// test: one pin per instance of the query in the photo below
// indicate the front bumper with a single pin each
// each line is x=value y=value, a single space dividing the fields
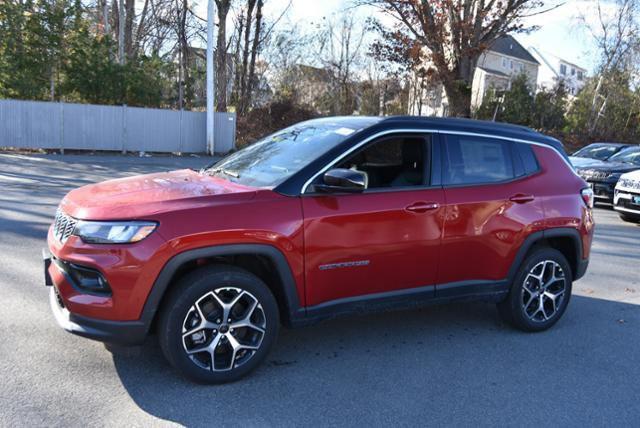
x=623 y=202
x=68 y=303
x=115 y=332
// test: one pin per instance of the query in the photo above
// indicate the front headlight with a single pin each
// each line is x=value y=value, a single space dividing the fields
x=113 y=232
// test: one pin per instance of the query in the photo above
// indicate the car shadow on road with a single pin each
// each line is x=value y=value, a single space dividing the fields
x=411 y=365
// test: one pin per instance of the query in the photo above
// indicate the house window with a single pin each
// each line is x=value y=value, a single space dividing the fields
x=573 y=71
x=511 y=64
x=563 y=69
x=580 y=75
x=504 y=62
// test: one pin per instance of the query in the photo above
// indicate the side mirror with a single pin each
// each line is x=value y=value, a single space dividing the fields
x=343 y=180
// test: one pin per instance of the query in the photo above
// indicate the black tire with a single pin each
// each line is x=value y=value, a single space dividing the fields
x=629 y=218
x=514 y=308
x=180 y=304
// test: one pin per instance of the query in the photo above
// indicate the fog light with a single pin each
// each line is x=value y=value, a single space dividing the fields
x=84 y=278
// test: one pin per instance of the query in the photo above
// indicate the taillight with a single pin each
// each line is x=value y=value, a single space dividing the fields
x=587 y=196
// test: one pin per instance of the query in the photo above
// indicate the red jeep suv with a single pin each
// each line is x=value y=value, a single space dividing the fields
x=325 y=218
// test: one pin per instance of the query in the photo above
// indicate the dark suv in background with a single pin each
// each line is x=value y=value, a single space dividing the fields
x=601 y=151
x=602 y=176
x=325 y=218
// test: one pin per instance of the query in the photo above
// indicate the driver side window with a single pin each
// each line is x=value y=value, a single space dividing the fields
x=391 y=162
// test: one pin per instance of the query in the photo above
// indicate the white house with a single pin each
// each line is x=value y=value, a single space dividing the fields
x=496 y=67
x=554 y=69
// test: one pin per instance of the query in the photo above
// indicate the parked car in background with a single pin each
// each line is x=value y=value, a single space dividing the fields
x=627 y=197
x=328 y=217
x=602 y=176
x=601 y=151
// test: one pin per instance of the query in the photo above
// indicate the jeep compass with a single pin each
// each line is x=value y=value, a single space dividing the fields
x=325 y=218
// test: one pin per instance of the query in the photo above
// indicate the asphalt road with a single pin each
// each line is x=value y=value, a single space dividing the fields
x=448 y=365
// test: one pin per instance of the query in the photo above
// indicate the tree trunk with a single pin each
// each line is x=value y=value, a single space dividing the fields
x=183 y=48
x=130 y=13
x=459 y=98
x=245 y=57
x=254 y=53
x=236 y=55
x=141 y=30
x=180 y=79
x=105 y=17
x=121 y=24
x=221 y=56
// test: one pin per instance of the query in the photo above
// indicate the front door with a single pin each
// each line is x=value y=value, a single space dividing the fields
x=383 y=240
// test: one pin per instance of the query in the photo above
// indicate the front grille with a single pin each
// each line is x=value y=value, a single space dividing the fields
x=625 y=203
x=595 y=175
x=63 y=226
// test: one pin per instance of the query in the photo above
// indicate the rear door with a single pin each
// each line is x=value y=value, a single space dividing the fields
x=491 y=206
x=384 y=239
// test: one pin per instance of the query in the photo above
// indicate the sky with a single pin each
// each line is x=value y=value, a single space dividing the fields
x=559 y=32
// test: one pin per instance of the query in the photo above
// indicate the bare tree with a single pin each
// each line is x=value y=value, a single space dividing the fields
x=242 y=90
x=121 y=24
x=449 y=36
x=617 y=36
x=223 y=7
x=255 y=45
x=340 y=54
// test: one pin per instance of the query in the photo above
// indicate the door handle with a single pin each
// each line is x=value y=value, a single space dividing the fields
x=521 y=198
x=421 y=207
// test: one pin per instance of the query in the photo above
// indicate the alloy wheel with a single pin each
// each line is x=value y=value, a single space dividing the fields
x=543 y=291
x=223 y=329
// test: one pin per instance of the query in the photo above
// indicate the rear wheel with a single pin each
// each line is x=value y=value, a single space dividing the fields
x=218 y=324
x=540 y=292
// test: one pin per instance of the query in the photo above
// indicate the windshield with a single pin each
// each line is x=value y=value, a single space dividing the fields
x=597 y=151
x=277 y=157
x=631 y=155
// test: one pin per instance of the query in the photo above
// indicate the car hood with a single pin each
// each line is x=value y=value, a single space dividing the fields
x=609 y=167
x=142 y=196
x=579 y=162
x=633 y=175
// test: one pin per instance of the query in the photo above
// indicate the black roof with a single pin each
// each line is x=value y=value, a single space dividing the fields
x=474 y=126
x=458 y=122
x=372 y=124
x=507 y=45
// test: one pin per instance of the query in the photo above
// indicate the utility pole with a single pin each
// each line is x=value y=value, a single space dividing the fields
x=210 y=77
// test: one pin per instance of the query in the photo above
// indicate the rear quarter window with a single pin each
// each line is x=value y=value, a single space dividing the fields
x=527 y=158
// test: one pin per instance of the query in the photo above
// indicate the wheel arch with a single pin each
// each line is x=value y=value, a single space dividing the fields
x=564 y=239
x=263 y=260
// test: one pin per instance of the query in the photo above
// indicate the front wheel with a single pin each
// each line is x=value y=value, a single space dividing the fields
x=218 y=324
x=540 y=292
